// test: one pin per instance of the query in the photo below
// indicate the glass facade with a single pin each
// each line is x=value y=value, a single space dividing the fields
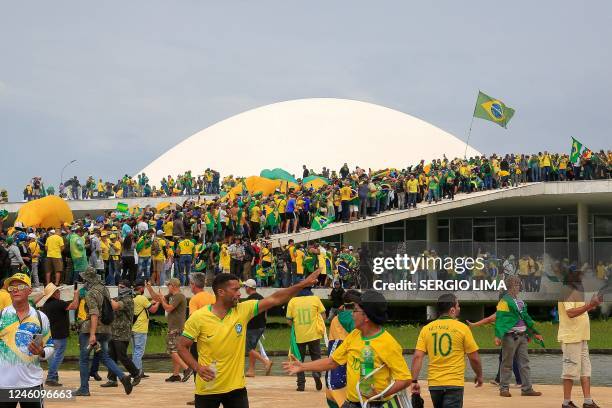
x=530 y=233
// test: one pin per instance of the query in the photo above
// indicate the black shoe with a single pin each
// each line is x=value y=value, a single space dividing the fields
x=52 y=383
x=109 y=384
x=142 y=374
x=318 y=383
x=300 y=388
x=127 y=384
x=96 y=376
x=173 y=378
x=81 y=393
x=136 y=381
x=186 y=374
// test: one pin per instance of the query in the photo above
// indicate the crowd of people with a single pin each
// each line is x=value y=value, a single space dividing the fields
x=206 y=337
x=443 y=177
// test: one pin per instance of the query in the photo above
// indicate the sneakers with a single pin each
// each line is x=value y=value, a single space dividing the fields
x=186 y=374
x=52 y=383
x=570 y=405
x=300 y=388
x=127 y=384
x=531 y=393
x=318 y=383
x=81 y=393
x=504 y=393
x=174 y=378
x=591 y=405
x=109 y=383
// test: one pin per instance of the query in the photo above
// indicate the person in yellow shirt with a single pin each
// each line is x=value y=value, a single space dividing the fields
x=299 y=263
x=345 y=197
x=140 y=329
x=158 y=253
x=185 y=251
x=255 y=220
x=412 y=187
x=306 y=315
x=5 y=297
x=224 y=258
x=200 y=296
x=369 y=314
x=220 y=333
x=54 y=264
x=34 y=251
x=446 y=341
x=574 y=335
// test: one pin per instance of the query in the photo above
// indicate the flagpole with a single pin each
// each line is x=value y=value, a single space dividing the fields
x=468 y=138
x=471 y=123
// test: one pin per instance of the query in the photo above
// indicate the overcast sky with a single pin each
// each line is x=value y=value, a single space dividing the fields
x=114 y=84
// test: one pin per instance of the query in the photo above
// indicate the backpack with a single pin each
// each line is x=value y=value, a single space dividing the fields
x=155 y=247
x=107 y=315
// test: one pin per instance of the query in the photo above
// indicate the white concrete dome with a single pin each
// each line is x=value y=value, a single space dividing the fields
x=316 y=132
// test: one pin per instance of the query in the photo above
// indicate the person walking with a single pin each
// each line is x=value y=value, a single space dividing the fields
x=120 y=332
x=255 y=330
x=446 y=341
x=56 y=310
x=513 y=329
x=306 y=314
x=95 y=332
x=574 y=334
x=140 y=328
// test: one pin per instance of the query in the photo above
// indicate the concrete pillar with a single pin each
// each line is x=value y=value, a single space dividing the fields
x=432 y=229
x=583 y=232
x=356 y=237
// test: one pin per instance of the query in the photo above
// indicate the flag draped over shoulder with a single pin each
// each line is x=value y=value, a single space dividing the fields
x=294 y=350
x=508 y=315
x=492 y=109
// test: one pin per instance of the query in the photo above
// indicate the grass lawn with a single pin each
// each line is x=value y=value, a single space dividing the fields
x=277 y=336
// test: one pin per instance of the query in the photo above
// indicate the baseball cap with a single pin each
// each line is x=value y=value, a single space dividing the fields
x=250 y=283
x=374 y=305
x=17 y=277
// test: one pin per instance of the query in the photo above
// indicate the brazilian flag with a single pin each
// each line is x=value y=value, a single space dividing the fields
x=576 y=149
x=122 y=207
x=492 y=109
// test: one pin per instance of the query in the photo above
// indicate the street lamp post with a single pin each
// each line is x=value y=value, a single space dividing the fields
x=64 y=168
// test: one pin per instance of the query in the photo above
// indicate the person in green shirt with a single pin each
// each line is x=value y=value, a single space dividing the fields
x=77 y=253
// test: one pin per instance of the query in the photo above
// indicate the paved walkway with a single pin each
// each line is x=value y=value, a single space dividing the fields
x=266 y=392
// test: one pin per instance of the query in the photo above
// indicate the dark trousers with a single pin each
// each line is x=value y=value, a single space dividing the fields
x=128 y=268
x=232 y=399
x=26 y=403
x=118 y=352
x=236 y=267
x=345 y=210
x=314 y=349
x=446 y=397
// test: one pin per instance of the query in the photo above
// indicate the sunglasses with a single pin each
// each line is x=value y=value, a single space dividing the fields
x=15 y=288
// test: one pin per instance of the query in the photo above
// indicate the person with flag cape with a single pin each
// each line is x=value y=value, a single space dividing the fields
x=514 y=328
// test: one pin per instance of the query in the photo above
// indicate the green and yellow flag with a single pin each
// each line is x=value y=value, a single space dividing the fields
x=294 y=350
x=122 y=207
x=492 y=109
x=576 y=149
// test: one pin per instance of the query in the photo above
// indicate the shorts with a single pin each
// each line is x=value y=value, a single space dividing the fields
x=576 y=361
x=233 y=399
x=290 y=216
x=54 y=265
x=171 y=341
x=252 y=338
x=353 y=208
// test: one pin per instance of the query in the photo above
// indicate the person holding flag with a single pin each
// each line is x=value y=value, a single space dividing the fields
x=514 y=328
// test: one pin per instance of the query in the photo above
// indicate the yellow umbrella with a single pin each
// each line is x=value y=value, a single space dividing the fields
x=46 y=212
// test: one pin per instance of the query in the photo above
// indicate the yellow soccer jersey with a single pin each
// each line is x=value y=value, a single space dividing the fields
x=446 y=341
x=222 y=341
x=387 y=351
x=305 y=312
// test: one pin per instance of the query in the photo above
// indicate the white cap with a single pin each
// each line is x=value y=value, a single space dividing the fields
x=31 y=235
x=250 y=283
